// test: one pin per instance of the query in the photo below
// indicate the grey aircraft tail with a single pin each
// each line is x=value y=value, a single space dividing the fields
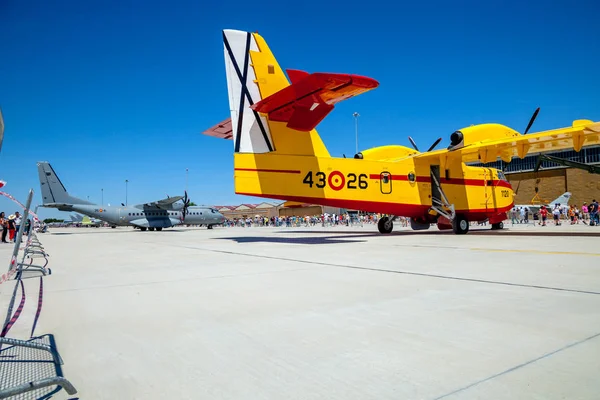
x=53 y=191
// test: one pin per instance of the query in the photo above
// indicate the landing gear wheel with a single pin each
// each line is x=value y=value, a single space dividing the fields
x=385 y=225
x=143 y=229
x=499 y=225
x=209 y=227
x=150 y=229
x=460 y=225
x=159 y=229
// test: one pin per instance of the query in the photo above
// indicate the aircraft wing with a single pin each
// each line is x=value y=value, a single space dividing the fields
x=165 y=203
x=582 y=133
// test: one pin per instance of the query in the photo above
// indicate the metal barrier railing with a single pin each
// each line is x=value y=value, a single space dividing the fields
x=31 y=366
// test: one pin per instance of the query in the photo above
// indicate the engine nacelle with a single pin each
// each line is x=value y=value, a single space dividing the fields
x=479 y=133
x=386 y=152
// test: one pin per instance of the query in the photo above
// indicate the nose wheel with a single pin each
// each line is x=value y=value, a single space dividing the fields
x=385 y=225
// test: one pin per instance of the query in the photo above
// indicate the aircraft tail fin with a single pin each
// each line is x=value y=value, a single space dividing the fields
x=53 y=191
x=257 y=87
x=563 y=200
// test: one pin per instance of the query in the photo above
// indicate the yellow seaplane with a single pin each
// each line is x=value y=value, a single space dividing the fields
x=280 y=155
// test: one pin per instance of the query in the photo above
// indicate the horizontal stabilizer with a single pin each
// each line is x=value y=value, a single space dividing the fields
x=296 y=75
x=221 y=130
x=305 y=103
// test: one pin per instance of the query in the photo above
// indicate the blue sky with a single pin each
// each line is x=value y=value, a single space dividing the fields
x=108 y=91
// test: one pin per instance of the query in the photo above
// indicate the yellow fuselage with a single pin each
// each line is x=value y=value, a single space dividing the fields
x=402 y=188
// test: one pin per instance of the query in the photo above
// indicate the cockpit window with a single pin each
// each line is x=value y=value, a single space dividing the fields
x=502 y=177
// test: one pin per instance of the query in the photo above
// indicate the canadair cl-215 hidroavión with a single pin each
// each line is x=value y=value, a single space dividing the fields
x=156 y=215
x=278 y=153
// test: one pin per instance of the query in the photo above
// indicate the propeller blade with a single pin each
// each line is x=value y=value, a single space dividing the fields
x=531 y=121
x=413 y=143
x=434 y=144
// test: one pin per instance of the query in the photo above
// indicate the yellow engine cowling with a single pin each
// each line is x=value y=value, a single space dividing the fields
x=386 y=153
x=478 y=133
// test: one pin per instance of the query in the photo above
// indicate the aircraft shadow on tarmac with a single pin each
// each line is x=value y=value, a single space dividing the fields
x=344 y=238
x=478 y=232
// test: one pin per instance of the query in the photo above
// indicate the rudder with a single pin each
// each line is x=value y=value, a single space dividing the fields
x=253 y=74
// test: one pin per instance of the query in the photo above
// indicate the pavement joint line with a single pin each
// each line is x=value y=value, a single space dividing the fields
x=200 y=278
x=516 y=367
x=569 y=253
x=421 y=274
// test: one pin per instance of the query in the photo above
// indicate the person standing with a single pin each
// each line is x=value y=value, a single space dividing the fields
x=593 y=210
x=544 y=215
x=11 y=228
x=4 y=226
x=18 y=220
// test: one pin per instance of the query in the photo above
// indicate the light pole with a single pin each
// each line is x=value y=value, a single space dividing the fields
x=186 y=179
x=126 y=182
x=356 y=115
x=102 y=190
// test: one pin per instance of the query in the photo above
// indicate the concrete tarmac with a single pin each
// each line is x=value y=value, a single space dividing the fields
x=322 y=313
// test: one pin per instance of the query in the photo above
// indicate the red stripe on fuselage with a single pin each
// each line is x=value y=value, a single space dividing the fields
x=451 y=181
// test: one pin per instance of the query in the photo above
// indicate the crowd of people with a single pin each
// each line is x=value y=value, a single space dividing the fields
x=587 y=214
x=308 y=220
x=10 y=226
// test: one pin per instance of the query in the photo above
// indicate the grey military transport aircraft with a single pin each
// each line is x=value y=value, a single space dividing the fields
x=152 y=216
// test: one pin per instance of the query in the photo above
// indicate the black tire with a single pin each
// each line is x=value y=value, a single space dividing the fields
x=385 y=225
x=209 y=227
x=159 y=229
x=460 y=225
x=143 y=229
x=499 y=225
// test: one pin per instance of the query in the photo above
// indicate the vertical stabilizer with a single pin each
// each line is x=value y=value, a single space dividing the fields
x=251 y=131
x=254 y=74
x=53 y=191
x=563 y=200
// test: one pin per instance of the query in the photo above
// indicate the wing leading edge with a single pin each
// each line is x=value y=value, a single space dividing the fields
x=581 y=133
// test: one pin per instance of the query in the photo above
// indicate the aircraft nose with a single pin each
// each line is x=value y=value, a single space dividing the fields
x=221 y=218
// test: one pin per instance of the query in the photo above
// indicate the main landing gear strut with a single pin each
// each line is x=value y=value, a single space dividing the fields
x=442 y=206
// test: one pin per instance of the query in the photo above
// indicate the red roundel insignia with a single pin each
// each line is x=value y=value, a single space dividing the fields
x=336 y=180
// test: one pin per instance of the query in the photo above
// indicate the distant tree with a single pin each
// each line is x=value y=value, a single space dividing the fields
x=192 y=204
x=50 y=220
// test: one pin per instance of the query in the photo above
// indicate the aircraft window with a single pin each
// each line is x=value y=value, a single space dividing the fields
x=411 y=177
x=386 y=179
x=130 y=214
x=502 y=177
